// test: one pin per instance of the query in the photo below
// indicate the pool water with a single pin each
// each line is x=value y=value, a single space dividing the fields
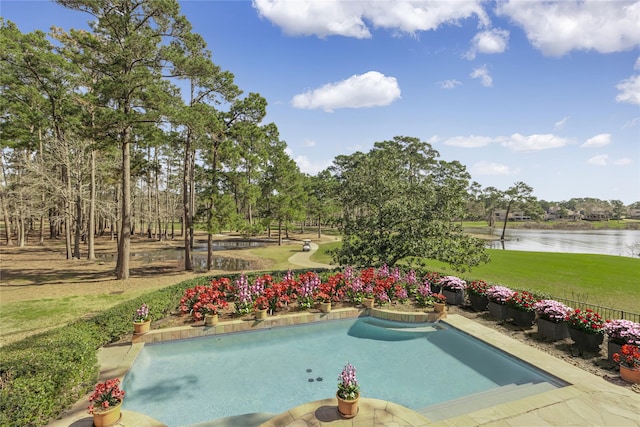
x=415 y=365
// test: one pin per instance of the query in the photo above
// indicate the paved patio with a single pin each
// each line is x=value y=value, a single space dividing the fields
x=588 y=400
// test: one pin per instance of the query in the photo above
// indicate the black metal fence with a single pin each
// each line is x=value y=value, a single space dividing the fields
x=605 y=312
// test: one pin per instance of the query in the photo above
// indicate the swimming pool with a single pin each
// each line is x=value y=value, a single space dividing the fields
x=419 y=366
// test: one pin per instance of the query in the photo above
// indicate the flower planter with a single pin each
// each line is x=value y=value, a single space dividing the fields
x=613 y=347
x=586 y=341
x=325 y=307
x=211 y=319
x=108 y=417
x=261 y=314
x=348 y=408
x=630 y=375
x=478 y=302
x=140 y=328
x=454 y=297
x=498 y=311
x=439 y=307
x=522 y=318
x=553 y=331
x=368 y=302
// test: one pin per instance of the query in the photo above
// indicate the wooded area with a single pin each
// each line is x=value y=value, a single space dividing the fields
x=131 y=128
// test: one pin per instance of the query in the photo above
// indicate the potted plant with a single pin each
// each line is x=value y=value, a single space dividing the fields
x=141 y=320
x=629 y=361
x=453 y=288
x=585 y=329
x=260 y=305
x=551 y=319
x=477 y=291
x=348 y=393
x=521 y=308
x=105 y=403
x=498 y=296
x=325 y=295
x=439 y=302
x=620 y=332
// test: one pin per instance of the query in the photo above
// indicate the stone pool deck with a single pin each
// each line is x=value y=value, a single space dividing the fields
x=588 y=400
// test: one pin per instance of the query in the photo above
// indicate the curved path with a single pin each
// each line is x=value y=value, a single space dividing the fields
x=303 y=259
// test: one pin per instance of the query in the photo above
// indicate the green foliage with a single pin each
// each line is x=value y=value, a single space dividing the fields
x=46 y=373
x=399 y=201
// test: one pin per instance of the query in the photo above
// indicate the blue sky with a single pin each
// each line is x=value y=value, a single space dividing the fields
x=547 y=93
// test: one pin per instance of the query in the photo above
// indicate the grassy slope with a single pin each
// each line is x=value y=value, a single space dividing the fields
x=597 y=279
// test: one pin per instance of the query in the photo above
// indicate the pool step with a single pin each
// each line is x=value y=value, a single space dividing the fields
x=485 y=399
x=246 y=420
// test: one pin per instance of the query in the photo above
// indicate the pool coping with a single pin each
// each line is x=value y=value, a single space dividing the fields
x=587 y=400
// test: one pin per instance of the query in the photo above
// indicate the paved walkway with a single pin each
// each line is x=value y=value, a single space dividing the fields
x=303 y=259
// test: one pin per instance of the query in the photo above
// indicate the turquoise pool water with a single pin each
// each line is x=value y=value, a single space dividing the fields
x=416 y=365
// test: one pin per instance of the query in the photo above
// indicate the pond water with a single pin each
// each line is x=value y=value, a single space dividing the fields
x=199 y=255
x=606 y=242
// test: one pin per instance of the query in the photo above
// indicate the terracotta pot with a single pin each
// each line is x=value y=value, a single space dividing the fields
x=368 y=302
x=325 y=307
x=586 y=341
x=439 y=307
x=454 y=297
x=553 y=331
x=261 y=314
x=105 y=418
x=348 y=408
x=211 y=319
x=140 y=328
x=498 y=311
x=630 y=375
x=478 y=302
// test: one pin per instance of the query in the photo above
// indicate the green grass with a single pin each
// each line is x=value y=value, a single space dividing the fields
x=605 y=280
x=278 y=254
x=596 y=279
x=321 y=254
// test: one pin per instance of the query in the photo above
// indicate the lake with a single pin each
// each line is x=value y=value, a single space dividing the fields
x=606 y=242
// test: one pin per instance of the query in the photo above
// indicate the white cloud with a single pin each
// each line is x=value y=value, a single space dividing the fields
x=449 y=84
x=490 y=168
x=490 y=41
x=535 y=142
x=558 y=27
x=629 y=90
x=483 y=74
x=347 y=18
x=471 y=141
x=309 y=167
x=560 y=124
x=599 y=160
x=309 y=142
x=371 y=89
x=622 y=162
x=636 y=66
x=597 y=141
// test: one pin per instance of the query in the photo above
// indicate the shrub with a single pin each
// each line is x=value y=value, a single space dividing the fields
x=587 y=321
x=522 y=301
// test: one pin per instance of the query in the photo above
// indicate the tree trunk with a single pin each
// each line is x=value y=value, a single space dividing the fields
x=319 y=230
x=124 y=233
x=92 y=210
x=67 y=212
x=504 y=226
x=279 y=232
x=78 y=228
x=5 y=211
x=186 y=203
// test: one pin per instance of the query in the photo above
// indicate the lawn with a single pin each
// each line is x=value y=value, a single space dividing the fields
x=610 y=281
